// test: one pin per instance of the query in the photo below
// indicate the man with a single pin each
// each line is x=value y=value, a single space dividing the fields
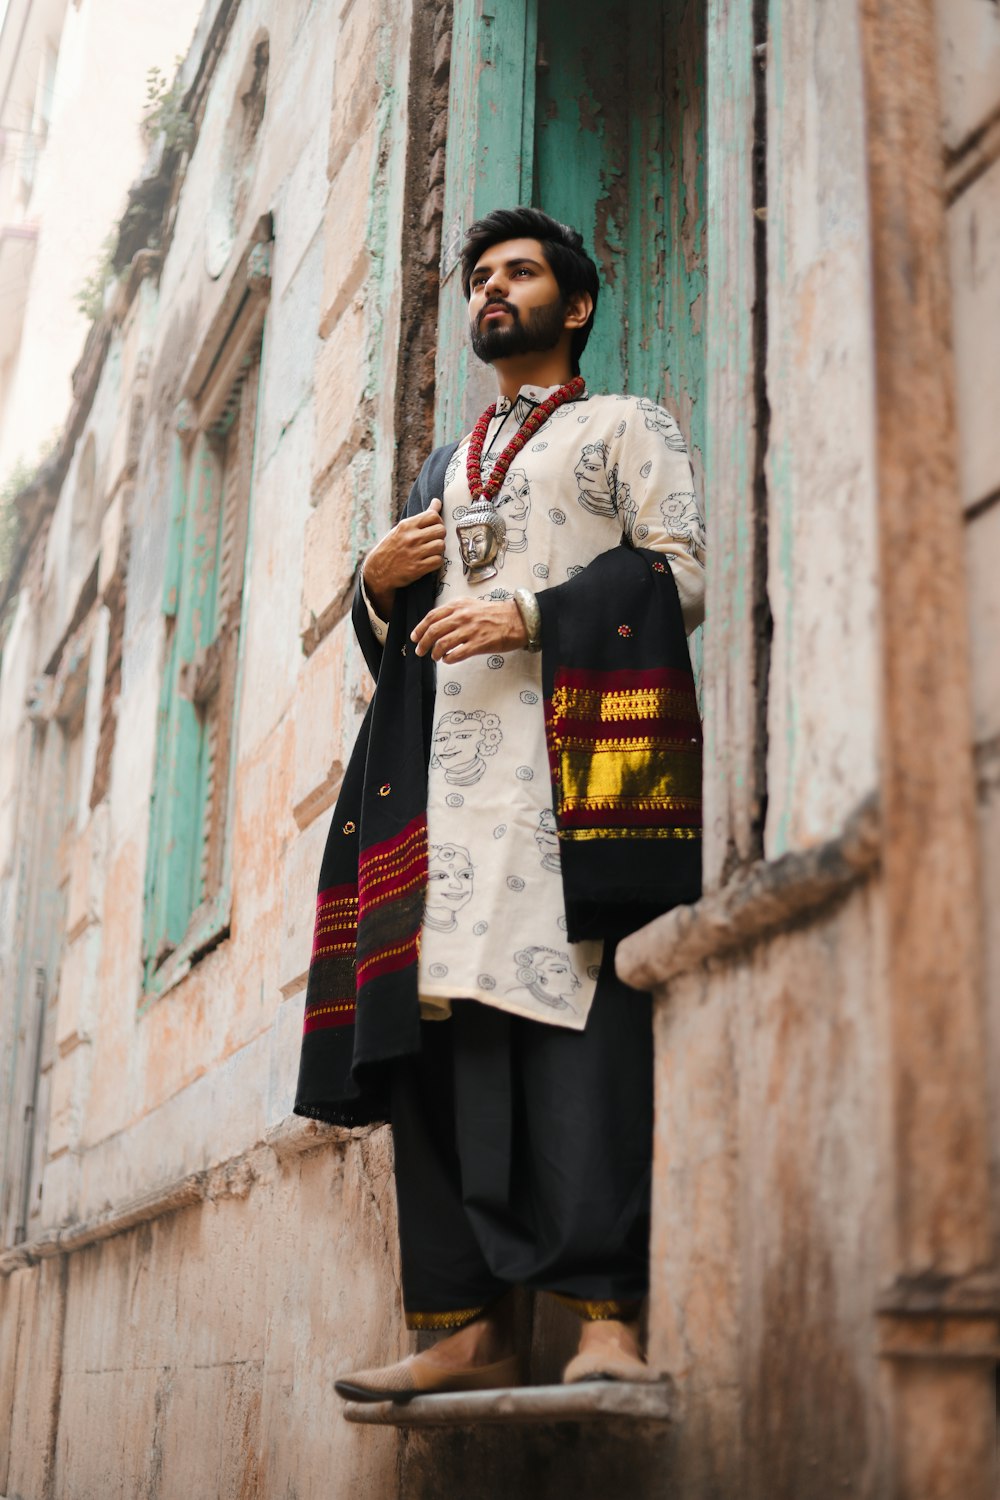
x=532 y=676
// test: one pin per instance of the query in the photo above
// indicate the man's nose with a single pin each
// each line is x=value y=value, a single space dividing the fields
x=494 y=286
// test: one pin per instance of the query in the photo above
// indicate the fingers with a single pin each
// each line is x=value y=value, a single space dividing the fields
x=432 y=620
x=426 y=556
x=453 y=632
x=427 y=520
x=432 y=630
x=432 y=551
x=428 y=565
x=451 y=648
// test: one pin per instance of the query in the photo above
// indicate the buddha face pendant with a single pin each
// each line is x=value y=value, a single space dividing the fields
x=481 y=536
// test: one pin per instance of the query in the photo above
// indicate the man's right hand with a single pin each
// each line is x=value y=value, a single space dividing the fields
x=412 y=549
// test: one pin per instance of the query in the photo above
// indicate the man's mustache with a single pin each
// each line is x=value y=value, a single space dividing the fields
x=492 y=306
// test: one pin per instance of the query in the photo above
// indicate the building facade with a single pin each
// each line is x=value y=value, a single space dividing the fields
x=794 y=206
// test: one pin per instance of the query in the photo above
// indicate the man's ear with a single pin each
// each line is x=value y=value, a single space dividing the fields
x=579 y=306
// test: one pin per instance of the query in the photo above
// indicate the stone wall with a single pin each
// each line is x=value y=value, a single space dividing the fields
x=218 y=1278
x=969 y=42
x=197 y=1265
x=824 y=1247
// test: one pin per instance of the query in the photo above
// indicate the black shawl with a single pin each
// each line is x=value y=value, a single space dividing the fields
x=624 y=744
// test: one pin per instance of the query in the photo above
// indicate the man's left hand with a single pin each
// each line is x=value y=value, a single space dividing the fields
x=454 y=632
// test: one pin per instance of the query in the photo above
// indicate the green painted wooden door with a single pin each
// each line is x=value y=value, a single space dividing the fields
x=595 y=114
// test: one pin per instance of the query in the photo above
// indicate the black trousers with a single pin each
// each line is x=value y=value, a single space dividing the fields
x=523 y=1158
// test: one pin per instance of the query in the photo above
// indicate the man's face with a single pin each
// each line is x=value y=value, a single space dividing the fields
x=515 y=305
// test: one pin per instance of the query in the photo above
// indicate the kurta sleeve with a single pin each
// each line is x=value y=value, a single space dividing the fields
x=651 y=483
x=380 y=628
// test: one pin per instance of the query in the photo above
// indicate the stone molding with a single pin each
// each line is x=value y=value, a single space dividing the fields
x=232 y=1178
x=759 y=900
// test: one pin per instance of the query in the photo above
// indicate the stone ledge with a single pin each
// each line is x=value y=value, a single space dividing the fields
x=604 y=1401
x=234 y=1177
x=973 y=1295
x=759 y=900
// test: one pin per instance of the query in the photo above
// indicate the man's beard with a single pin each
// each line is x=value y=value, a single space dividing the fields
x=538 y=332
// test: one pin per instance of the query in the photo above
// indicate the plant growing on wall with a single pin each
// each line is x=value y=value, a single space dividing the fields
x=164 y=113
x=90 y=297
x=17 y=480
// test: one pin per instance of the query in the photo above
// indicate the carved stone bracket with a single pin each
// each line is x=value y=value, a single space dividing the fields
x=767 y=895
x=184 y=418
x=259 y=269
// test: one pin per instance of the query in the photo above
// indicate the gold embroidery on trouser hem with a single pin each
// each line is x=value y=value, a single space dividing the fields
x=599 y=1312
x=421 y=1322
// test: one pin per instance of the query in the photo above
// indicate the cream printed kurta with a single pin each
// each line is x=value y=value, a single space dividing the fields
x=494 y=926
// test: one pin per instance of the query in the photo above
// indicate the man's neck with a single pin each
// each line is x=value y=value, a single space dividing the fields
x=542 y=370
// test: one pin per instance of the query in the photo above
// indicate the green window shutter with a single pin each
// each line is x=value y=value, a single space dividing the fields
x=175 y=538
x=234 y=434
x=490 y=165
x=173 y=865
x=187 y=889
x=595 y=114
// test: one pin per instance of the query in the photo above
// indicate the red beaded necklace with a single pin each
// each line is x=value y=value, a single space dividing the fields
x=527 y=429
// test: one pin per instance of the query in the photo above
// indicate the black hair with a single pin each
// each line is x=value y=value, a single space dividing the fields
x=562 y=247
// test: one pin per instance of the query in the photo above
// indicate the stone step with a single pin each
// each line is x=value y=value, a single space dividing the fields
x=601 y=1400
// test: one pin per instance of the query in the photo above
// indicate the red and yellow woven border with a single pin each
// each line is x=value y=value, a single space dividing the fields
x=392 y=879
x=625 y=754
x=332 y=988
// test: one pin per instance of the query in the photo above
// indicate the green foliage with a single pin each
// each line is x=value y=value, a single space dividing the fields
x=163 y=113
x=20 y=476
x=18 y=479
x=90 y=297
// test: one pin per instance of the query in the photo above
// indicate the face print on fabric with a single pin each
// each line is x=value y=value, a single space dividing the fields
x=461 y=741
x=658 y=420
x=547 y=839
x=548 y=976
x=591 y=475
x=454 y=463
x=514 y=501
x=621 y=499
x=450 y=877
x=683 y=519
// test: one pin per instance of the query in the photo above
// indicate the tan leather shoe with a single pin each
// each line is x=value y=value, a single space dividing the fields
x=606 y=1364
x=420 y=1376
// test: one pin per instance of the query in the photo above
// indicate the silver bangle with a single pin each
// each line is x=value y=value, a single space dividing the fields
x=527 y=606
